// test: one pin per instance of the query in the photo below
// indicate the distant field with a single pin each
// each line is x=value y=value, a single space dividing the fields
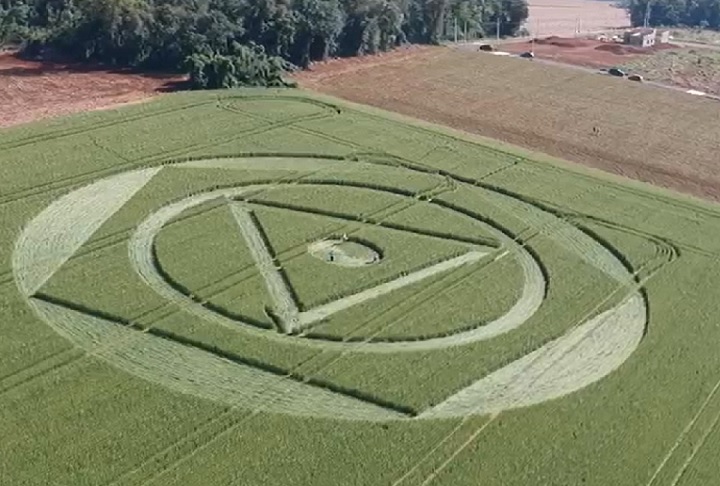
x=692 y=68
x=279 y=288
x=583 y=52
x=563 y=17
x=654 y=135
x=701 y=36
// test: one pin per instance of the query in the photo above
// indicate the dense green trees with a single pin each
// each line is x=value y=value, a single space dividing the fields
x=234 y=42
x=691 y=13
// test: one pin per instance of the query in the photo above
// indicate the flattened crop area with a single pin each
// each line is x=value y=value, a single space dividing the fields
x=269 y=287
x=654 y=135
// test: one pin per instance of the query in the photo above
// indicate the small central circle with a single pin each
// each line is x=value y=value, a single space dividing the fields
x=344 y=252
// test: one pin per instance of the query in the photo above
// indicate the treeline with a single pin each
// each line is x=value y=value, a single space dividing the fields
x=689 y=13
x=224 y=43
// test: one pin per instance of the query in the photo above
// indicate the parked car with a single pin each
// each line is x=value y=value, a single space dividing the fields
x=635 y=77
x=527 y=55
x=486 y=48
x=616 y=72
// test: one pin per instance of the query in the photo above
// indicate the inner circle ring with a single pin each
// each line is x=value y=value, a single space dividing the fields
x=141 y=256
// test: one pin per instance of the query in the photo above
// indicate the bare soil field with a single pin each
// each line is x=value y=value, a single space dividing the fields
x=336 y=66
x=697 y=69
x=562 y=17
x=654 y=135
x=32 y=90
x=694 y=68
x=583 y=52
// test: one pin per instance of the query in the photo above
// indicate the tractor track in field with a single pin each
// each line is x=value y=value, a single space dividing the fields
x=39 y=369
x=157 y=159
x=682 y=437
x=701 y=443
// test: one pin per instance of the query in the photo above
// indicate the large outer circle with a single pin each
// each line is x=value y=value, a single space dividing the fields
x=585 y=354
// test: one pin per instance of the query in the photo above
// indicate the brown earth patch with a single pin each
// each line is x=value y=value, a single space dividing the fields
x=346 y=65
x=659 y=136
x=582 y=52
x=31 y=90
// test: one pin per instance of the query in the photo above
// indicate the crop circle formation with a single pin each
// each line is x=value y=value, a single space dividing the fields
x=587 y=352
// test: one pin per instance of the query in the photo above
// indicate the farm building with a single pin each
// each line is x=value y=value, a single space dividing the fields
x=640 y=37
x=645 y=37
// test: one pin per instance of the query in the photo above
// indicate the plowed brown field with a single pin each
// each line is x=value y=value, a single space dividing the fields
x=655 y=135
x=562 y=17
x=32 y=90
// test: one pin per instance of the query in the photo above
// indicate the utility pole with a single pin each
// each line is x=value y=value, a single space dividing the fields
x=646 y=21
x=497 y=29
x=455 y=27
